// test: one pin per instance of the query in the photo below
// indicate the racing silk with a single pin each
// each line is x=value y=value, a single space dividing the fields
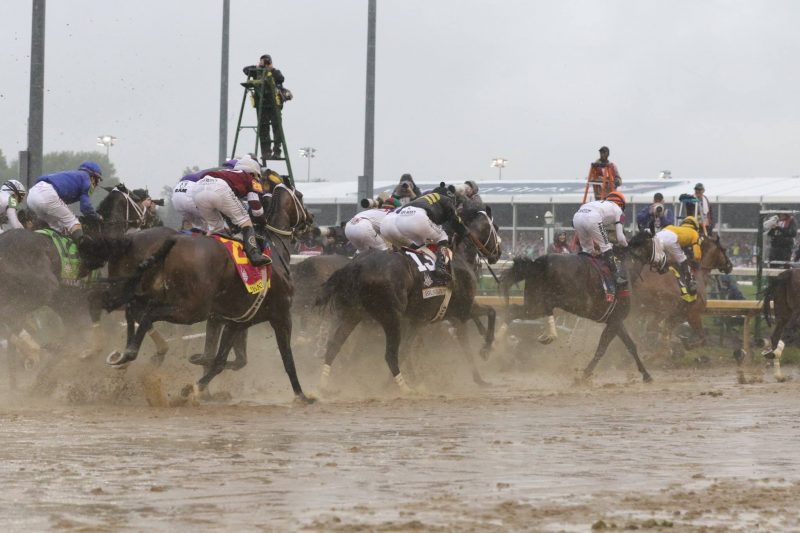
x=687 y=238
x=611 y=215
x=440 y=208
x=72 y=186
x=200 y=174
x=8 y=207
x=244 y=186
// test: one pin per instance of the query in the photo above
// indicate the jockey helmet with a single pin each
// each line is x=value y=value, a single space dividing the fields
x=248 y=165
x=230 y=163
x=93 y=169
x=472 y=185
x=618 y=198
x=692 y=222
x=14 y=187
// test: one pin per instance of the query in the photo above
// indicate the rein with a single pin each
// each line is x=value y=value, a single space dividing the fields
x=301 y=213
x=482 y=246
x=141 y=213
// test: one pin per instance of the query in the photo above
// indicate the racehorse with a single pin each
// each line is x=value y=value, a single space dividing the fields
x=659 y=296
x=190 y=279
x=31 y=268
x=572 y=283
x=783 y=292
x=388 y=286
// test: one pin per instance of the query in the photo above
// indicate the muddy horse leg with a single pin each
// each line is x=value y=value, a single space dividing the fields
x=229 y=332
x=282 y=326
x=213 y=332
x=775 y=350
x=609 y=332
x=389 y=319
x=488 y=332
x=466 y=351
x=161 y=346
x=343 y=330
x=623 y=334
x=552 y=333
x=239 y=350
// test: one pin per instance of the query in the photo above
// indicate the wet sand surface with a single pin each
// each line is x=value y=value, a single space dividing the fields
x=693 y=451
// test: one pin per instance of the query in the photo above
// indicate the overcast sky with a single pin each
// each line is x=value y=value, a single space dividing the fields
x=703 y=88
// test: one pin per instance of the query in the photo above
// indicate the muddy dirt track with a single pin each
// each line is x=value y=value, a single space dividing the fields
x=693 y=451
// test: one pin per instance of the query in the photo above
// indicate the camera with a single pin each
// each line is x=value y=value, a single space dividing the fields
x=369 y=203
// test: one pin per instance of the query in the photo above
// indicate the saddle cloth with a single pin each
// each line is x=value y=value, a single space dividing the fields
x=434 y=283
x=70 y=259
x=606 y=278
x=255 y=279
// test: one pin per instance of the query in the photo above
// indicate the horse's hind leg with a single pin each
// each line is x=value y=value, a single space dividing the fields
x=282 y=325
x=466 y=351
x=229 y=332
x=623 y=334
x=344 y=328
x=390 y=321
x=609 y=332
x=240 y=351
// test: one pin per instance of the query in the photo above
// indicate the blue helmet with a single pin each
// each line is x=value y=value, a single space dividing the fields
x=92 y=168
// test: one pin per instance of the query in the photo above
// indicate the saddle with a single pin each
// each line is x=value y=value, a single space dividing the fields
x=256 y=279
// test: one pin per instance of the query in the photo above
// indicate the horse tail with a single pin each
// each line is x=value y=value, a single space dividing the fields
x=523 y=268
x=341 y=288
x=126 y=292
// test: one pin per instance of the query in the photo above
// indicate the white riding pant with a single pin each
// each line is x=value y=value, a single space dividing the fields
x=589 y=227
x=364 y=232
x=184 y=204
x=411 y=225
x=669 y=241
x=44 y=201
x=214 y=198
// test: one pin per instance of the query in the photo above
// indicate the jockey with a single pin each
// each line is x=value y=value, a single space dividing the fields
x=218 y=194
x=49 y=196
x=678 y=243
x=12 y=193
x=182 y=200
x=420 y=222
x=364 y=229
x=590 y=224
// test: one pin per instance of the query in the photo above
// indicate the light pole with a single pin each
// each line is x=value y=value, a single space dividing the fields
x=548 y=228
x=107 y=141
x=308 y=152
x=499 y=162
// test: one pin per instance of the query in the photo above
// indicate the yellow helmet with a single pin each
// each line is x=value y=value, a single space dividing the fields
x=691 y=221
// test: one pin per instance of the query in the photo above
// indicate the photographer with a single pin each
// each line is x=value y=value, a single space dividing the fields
x=654 y=216
x=781 y=230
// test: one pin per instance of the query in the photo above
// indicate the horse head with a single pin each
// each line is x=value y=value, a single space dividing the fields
x=287 y=214
x=122 y=210
x=646 y=250
x=714 y=255
x=482 y=232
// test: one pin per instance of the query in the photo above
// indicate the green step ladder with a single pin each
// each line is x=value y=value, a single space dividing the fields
x=264 y=83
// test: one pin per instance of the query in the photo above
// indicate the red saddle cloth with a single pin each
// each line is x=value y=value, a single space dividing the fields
x=254 y=278
x=609 y=286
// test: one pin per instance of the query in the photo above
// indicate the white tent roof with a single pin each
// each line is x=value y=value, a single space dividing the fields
x=728 y=190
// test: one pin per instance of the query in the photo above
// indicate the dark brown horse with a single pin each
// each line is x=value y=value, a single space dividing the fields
x=572 y=283
x=783 y=292
x=658 y=296
x=31 y=266
x=387 y=287
x=191 y=279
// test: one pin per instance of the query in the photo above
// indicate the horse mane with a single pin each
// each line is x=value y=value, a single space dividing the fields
x=105 y=206
x=639 y=239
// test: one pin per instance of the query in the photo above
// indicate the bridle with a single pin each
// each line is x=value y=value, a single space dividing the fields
x=141 y=213
x=302 y=215
x=493 y=237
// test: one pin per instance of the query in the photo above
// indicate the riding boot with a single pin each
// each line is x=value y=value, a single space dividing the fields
x=688 y=277
x=251 y=248
x=77 y=236
x=441 y=262
x=617 y=269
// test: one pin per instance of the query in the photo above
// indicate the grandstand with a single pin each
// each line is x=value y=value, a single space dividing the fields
x=519 y=206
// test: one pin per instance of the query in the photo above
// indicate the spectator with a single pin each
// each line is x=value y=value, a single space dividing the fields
x=781 y=230
x=703 y=214
x=654 y=216
x=560 y=244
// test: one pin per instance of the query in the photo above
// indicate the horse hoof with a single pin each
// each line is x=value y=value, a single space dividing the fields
x=481 y=383
x=157 y=360
x=769 y=353
x=235 y=365
x=186 y=391
x=647 y=378
x=119 y=360
x=29 y=363
x=484 y=353
x=546 y=339
x=303 y=399
x=200 y=359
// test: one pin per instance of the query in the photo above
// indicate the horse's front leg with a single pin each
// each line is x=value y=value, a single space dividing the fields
x=466 y=351
x=282 y=325
x=488 y=332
